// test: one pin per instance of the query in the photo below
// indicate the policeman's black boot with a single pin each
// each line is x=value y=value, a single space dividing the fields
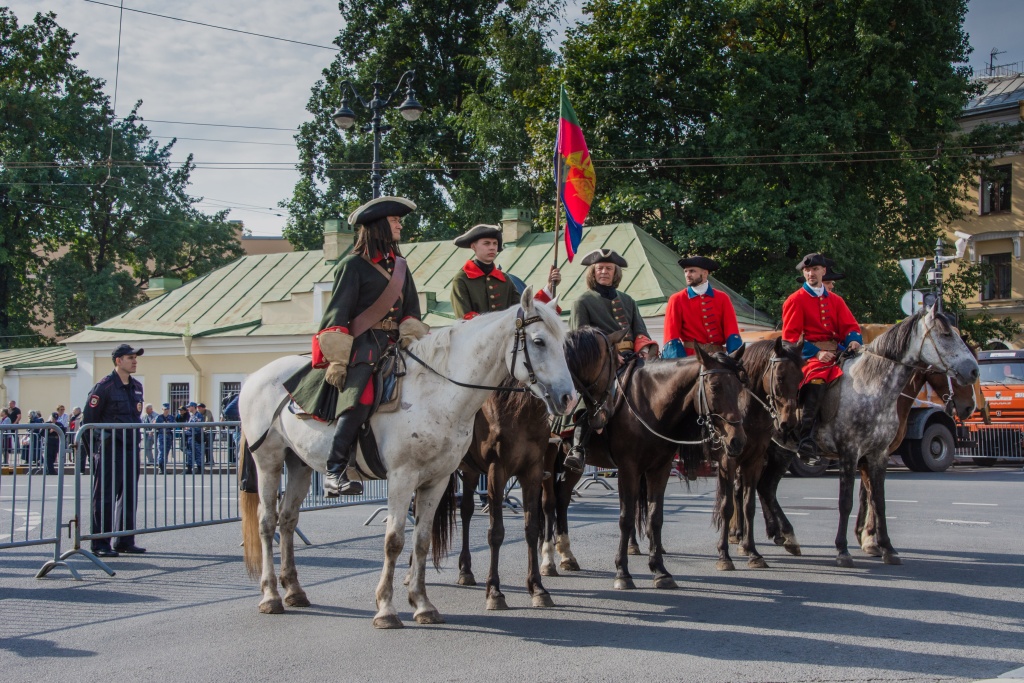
x=337 y=483
x=576 y=458
x=811 y=396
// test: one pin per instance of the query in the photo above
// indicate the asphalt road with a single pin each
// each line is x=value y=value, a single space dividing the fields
x=187 y=611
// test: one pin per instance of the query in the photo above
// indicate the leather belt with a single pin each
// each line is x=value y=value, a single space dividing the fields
x=625 y=345
x=708 y=348
x=388 y=325
x=827 y=345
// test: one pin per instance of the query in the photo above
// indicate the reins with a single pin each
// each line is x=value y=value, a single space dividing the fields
x=705 y=417
x=521 y=325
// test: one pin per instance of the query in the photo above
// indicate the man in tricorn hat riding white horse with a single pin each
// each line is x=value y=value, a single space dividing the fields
x=374 y=305
x=699 y=316
x=825 y=325
x=609 y=310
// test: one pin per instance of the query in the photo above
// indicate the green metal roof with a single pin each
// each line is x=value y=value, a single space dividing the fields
x=227 y=301
x=38 y=358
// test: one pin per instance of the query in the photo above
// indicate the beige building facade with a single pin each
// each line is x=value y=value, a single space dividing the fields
x=993 y=221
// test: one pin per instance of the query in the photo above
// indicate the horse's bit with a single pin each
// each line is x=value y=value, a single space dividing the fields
x=771 y=405
x=705 y=418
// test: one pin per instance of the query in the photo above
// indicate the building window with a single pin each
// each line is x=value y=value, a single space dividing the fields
x=177 y=393
x=997 y=278
x=227 y=390
x=995 y=190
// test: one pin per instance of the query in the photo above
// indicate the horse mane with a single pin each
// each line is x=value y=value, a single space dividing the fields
x=583 y=349
x=435 y=347
x=893 y=343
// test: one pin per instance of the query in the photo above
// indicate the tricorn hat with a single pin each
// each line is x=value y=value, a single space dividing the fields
x=812 y=260
x=466 y=239
x=381 y=207
x=830 y=276
x=698 y=262
x=604 y=256
x=125 y=350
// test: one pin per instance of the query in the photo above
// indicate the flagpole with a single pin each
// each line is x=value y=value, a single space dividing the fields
x=558 y=210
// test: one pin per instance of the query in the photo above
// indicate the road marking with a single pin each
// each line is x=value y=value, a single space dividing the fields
x=802 y=514
x=807 y=498
x=979 y=504
x=962 y=521
x=897 y=500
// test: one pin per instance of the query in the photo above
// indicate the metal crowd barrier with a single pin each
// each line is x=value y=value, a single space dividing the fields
x=988 y=444
x=32 y=489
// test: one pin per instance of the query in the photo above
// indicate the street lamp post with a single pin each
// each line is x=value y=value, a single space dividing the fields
x=345 y=118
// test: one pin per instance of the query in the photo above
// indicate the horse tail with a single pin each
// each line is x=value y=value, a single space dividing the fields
x=444 y=521
x=641 y=507
x=249 y=507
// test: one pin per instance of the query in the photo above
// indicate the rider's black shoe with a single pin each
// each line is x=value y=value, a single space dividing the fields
x=575 y=460
x=337 y=483
x=808 y=450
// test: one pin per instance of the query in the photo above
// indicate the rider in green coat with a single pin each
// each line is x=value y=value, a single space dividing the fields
x=339 y=383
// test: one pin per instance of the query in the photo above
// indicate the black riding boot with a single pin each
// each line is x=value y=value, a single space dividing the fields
x=337 y=483
x=576 y=459
x=811 y=396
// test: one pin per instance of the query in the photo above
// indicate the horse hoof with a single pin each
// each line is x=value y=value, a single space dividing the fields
x=891 y=558
x=496 y=602
x=793 y=549
x=624 y=584
x=779 y=540
x=296 y=600
x=570 y=565
x=466 y=579
x=725 y=566
x=272 y=606
x=431 y=617
x=548 y=570
x=844 y=561
x=388 y=621
x=757 y=563
x=872 y=549
x=633 y=550
x=665 y=583
x=543 y=600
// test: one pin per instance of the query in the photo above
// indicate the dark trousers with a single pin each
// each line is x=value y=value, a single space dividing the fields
x=115 y=484
x=52 y=446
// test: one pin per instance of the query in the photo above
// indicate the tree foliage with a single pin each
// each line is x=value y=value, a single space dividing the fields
x=81 y=238
x=476 y=62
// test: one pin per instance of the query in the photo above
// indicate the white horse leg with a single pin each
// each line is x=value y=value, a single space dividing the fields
x=568 y=559
x=299 y=475
x=269 y=482
x=427 y=499
x=399 y=497
x=547 y=553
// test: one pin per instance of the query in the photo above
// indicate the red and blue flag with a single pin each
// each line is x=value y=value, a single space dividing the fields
x=574 y=174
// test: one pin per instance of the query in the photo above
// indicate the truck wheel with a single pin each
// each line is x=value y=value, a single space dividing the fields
x=938 y=448
x=801 y=469
x=910 y=453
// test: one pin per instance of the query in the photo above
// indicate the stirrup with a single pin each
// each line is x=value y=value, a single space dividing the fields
x=575 y=460
x=336 y=485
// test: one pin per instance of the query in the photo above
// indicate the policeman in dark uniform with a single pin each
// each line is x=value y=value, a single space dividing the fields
x=115 y=453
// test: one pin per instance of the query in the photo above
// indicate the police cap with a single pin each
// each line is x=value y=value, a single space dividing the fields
x=125 y=350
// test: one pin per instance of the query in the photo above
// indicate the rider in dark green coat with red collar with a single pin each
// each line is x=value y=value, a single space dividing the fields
x=339 y=383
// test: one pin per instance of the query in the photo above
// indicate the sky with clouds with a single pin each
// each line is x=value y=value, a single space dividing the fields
x=188 y=73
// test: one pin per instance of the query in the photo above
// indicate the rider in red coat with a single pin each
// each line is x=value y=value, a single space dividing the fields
x=699 y=315
x=824 y=323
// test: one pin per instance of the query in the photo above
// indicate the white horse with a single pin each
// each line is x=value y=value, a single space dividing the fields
x=421 y=443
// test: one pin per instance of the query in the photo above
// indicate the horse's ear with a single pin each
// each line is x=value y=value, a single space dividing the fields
x=702 y=357
x=526 y=300
x=553 y=304
x=616 y=336
x=933 y=310
x=737 y=355
x=779 y=348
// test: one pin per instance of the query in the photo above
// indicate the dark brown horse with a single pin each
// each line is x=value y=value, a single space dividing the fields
x=660 y=405
x=510 y=439
x=770 y=411
x=777 y=525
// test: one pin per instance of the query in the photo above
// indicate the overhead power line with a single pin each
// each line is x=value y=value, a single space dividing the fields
x=236 y=142
x=220 y=28
x=212 y=125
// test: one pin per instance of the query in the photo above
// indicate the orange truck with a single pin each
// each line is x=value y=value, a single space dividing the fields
x=1002 y=383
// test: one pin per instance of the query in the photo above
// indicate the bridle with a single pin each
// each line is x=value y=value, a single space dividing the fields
x=522 y=322
x=772 y=404
x=705 y=416
x=920 y=367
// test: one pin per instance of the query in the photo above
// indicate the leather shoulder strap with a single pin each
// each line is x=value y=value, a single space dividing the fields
x=379 y=309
